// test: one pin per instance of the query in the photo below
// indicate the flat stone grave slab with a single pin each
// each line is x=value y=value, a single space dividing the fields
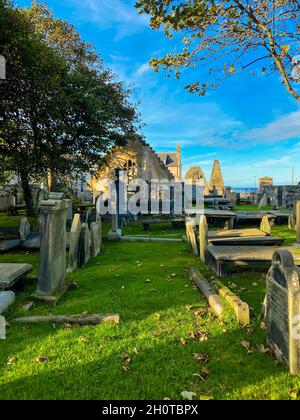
x=9 y=244
x=33 y=242
x=10 y=274
x=251 y=241
x=236 y=233
x=218 y=257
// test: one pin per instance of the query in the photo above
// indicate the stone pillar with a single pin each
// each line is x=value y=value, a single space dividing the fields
x=203 y=237
x=52 y=269
x=298 y=221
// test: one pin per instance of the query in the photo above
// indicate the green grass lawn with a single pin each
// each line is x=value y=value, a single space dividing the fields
x=251 y=207
x=146 y=283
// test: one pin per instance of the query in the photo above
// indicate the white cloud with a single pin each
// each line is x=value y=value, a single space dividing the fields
x=285 y=127
x=143 y=69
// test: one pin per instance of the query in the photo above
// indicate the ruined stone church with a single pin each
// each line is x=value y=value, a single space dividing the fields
x=140 y=160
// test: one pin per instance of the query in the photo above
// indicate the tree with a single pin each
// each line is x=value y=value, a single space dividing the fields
x=229 y=36
x=104 y=116
x=57 y=112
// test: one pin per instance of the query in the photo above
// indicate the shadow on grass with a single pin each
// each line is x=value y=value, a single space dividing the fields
x=159 y=370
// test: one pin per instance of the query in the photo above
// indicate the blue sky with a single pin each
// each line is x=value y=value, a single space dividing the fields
x=249 y=123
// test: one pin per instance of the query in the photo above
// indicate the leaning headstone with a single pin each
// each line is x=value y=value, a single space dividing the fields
x=190 y=232
x=10 y=274
x=95 y=238
x=203 y=237
x=24 y=229
x=74 y=243
x=282 y=310
x=263 y=202
x=265 y=225
x=85 y=245
x=52 y=271
x=6 y=300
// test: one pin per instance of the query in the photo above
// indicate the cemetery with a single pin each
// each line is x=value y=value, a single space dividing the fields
x=125 y=273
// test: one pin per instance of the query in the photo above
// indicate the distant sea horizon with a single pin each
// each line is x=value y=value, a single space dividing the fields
x=243 y=190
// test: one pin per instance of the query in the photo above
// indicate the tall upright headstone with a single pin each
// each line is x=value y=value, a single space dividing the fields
x=85 y=245
x=191 y=236
x=95 y=238
x=282 y=310
x=203 y=237
x=52 y=269
x=24 y=229
x=74 y=243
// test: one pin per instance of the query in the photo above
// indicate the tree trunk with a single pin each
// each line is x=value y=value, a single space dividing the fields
x=27 y=194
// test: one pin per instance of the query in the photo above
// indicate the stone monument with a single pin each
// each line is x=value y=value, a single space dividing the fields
x=283 y=310
x=74 y=243
x=85 y=245
x=24 y=229
x=52 y=269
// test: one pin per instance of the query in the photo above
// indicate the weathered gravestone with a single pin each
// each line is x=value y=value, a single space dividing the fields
x=191 y=236
x=96 y=238
x=265 y=225
x=69 y=203
x=6 y=300
x=24 y=229
x=85 y=245
x=263 y=202
x=298 y=221
x=203 y=237
x=74 y=243
x=283 y=310
x=10 y=274
x=52 y=270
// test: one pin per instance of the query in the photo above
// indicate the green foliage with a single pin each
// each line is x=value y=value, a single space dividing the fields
x=228 y=36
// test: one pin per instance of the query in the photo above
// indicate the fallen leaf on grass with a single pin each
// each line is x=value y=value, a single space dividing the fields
x=82 y=339
x=199 y=335
x=295 y=395
x=189 y=307
x=126 y=358
x=167 y=399
x=188 y=395
x=11 y=361
x=202 y=358
x=157 y=316
x=126 y=368
x=254 y=284
x=263 y=349
x=183 y=341
x=135 y=351
x=205 y=372
x=147 y=281
x=246 y=345
x=74 y=285
x=40 y=359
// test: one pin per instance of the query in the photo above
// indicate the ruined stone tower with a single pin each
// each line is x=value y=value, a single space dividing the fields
x=216 y=184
